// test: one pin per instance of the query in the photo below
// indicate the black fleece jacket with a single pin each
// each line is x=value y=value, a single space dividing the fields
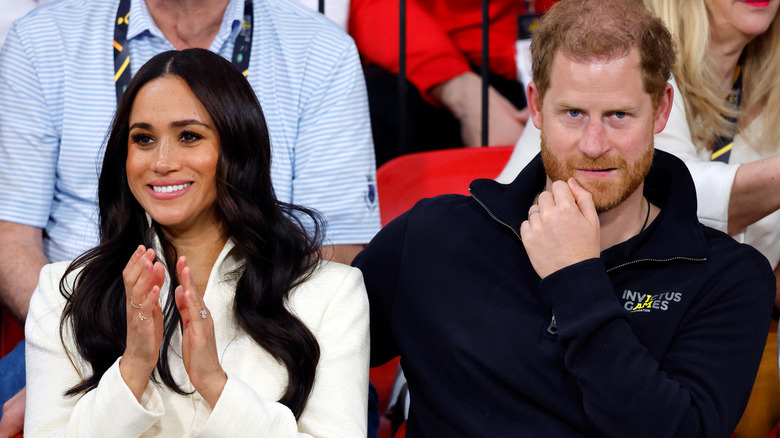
x=659 y=337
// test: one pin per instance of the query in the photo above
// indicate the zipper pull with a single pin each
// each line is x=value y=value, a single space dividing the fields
x=553 y=328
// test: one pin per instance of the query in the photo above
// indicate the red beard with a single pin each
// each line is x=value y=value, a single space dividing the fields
x=607 y=194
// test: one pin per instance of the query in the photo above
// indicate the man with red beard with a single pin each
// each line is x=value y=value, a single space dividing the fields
x=584 y=298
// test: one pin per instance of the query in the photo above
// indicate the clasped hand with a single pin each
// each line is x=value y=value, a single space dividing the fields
x=562 y=229
x=143 y=280
x=462 y=95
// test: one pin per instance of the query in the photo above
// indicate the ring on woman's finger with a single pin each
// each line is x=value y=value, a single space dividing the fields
x=134 y=305
x=532 y=212
x=203 y=314
x=143 y=317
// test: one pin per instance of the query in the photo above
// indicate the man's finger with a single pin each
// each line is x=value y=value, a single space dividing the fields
x=546 y=201
x=584 y=201
x=562 y=193
x=525 y=228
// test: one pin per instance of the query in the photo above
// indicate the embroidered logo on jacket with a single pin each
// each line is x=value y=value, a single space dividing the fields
x=639 y=302
x=369 y=196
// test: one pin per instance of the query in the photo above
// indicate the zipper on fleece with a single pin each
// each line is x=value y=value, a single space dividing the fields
x=495 y=218
x=670 y=259
x=553 y=327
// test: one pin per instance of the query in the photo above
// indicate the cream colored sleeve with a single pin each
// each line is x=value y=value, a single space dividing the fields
x=527 y=147
x=108 y=410
x=337 y=405
x=713 y=180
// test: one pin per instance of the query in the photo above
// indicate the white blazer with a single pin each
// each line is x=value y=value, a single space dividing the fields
x=333 y=305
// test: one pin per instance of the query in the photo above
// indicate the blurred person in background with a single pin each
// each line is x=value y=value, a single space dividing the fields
x=443 y=55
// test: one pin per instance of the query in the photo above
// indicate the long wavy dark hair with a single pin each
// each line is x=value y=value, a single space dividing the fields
x=279 y=242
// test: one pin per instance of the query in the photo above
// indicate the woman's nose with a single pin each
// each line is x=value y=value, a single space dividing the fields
x=166 y=160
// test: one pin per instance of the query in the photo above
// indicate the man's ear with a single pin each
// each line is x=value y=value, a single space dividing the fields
x=663 y=110
x=535 y=104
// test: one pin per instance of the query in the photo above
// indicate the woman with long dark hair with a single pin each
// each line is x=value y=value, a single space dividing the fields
x=204 y=310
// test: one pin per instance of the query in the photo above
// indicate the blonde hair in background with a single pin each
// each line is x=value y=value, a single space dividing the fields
x=688 y=22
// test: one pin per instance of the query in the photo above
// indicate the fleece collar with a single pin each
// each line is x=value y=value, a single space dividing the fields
x=676 y=233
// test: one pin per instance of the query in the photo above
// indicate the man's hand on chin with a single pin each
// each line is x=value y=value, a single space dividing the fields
x=562 y=228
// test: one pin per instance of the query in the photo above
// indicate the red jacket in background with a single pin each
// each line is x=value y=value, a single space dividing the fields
x=443 y=37
x=543 y=5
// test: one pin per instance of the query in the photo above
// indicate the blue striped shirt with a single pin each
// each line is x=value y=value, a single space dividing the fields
x=57 y=99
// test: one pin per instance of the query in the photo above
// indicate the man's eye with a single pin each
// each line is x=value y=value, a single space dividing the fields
x=189 y=137
x=620 y=114
x=574 y=113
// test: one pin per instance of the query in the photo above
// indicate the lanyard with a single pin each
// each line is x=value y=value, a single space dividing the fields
x=721 y=150
x=241 y=50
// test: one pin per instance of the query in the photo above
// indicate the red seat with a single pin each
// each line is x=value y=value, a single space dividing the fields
x=383 y=377
x=401 y=431
x=403 y=181
x=10 y=333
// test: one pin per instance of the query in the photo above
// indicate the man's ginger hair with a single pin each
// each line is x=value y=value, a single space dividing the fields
x=589 y=30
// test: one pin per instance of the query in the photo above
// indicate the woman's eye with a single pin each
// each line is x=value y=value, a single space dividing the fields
x=141 y=139
x=574 y=113
x=189 y=137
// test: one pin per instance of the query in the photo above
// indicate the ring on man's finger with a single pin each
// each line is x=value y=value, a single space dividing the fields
x=143 y=317
x=135 y=306
x=203 y=314
x=532 y=212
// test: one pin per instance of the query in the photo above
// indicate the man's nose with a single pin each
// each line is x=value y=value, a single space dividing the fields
x=594 y=140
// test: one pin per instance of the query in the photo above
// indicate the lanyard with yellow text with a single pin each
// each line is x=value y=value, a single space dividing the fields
x=241 y=50
x=721 y=150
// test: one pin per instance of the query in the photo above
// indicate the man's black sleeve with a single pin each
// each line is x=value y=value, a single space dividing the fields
x=380 y=262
